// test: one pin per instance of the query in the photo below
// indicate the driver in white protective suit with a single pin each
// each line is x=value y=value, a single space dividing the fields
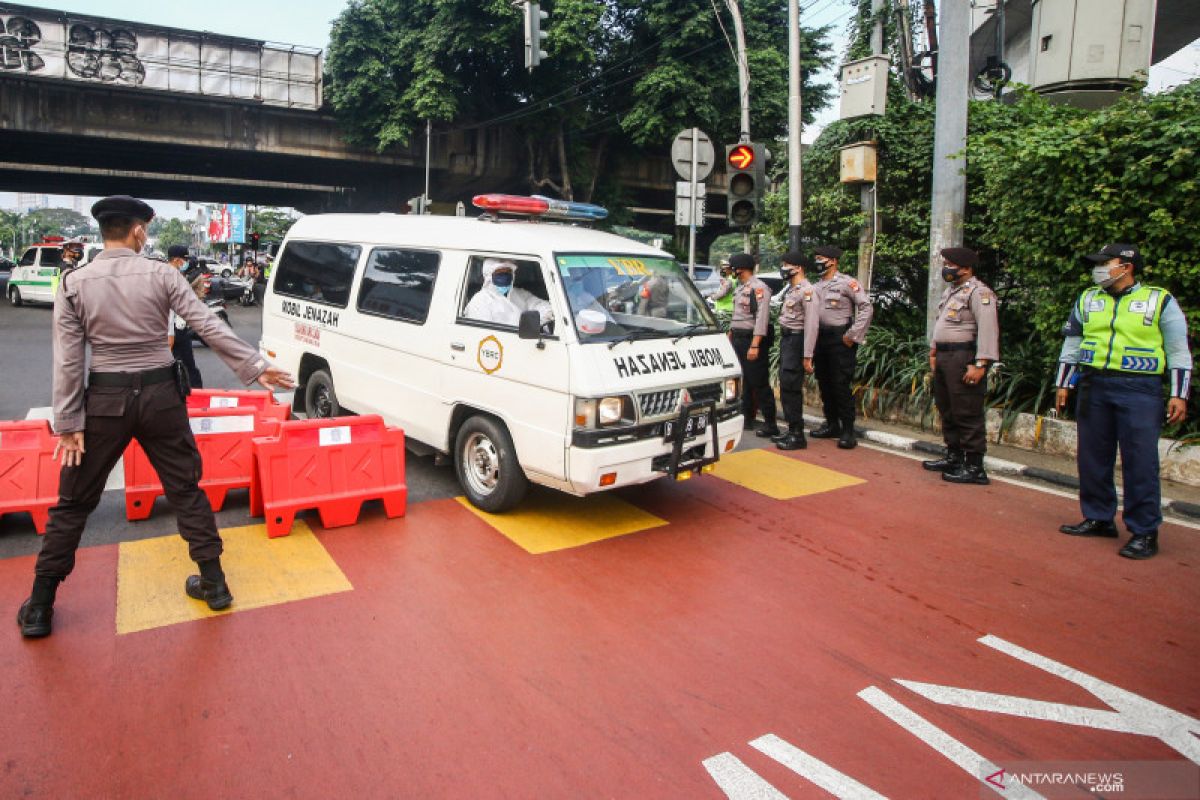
x=500 y=301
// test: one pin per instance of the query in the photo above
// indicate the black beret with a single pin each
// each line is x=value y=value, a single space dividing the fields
x=1121 y=250
x=177 y=251
x=122 y=205
x=797 y=259
x=828 y=251
x=961 y=256
x=741 y=261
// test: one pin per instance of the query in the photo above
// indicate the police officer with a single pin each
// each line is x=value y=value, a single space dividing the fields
x=845 y=309
x=723 y=297
x=181 y=347
x=966 y=342
x=798 y=325
x=1121 y=336
x=119 y=304
x=751 y=335
x=72 y=254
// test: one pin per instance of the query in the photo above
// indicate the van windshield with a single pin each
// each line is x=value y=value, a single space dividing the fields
x=614 y=297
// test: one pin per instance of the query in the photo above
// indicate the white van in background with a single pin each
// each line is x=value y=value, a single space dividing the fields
x=630 y=381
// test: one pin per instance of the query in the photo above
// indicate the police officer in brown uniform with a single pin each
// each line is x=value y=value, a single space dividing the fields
x=799 y=322
x=846 y=311
x=120 y=304
x=752 y=336
x=966 y=341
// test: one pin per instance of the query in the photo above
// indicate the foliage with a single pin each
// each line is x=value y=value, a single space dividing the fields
x=271 y=224
x=173 y=232
x=58 y=222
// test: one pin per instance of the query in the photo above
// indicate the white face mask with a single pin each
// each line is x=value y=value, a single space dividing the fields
x=1102 y=277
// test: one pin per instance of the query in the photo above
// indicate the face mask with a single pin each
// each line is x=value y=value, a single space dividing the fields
x=787 y=273
x=949 y=274
x=502 y=281
x=1102 y=278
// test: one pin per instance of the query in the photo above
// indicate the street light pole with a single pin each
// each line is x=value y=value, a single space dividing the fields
x=743 y=67
x=795 y=125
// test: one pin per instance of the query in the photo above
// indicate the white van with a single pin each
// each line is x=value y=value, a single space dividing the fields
x=35 y=278
x=629 y=382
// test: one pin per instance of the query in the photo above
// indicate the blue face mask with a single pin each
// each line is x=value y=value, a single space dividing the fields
x=503 y=282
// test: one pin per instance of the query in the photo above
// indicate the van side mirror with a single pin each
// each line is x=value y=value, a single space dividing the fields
x=529 y=326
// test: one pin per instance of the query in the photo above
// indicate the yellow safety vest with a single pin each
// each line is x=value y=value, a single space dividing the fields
x=1122 y=333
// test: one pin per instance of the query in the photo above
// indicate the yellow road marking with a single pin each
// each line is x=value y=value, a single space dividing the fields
x=778 y=476
x=549 y=521
x=261 y=572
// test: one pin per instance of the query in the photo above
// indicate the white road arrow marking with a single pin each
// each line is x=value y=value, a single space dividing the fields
x=738 y=781
x=814 y=769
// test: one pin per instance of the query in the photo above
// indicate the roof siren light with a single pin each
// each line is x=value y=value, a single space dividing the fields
x=539 y=206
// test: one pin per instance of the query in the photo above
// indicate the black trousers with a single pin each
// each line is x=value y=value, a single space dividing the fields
x=961 y=406
x=157 y=418
x=791 y=377
x=182 y=350
x=756 y=376
x=833 y=365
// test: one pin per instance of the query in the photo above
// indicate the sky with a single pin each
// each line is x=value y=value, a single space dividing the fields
x=282 y=21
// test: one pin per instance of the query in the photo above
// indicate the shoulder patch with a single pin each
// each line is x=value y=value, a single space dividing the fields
x=854 y=285
x=758 y=293
x=987 y=299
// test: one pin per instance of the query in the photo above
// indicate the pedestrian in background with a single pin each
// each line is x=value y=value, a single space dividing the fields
x=798 y=325
x=120 y=305
x=1121 y=337
x=966 y=342
x=845 y=309
x=182 y=344
x=751 y=334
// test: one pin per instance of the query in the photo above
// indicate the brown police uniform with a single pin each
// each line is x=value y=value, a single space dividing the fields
x=120 y=304
x=966 y=332
x=799 y=321
x=845 y=309
x=752 y=317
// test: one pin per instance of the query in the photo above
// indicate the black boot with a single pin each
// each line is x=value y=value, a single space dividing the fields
x=1091 y=527
x=210 y=585
x=769 y=430
x=793 y=440
x=970 y=471
x=827 y=431
x=848 y=441
x=36 y=613
x=947 y=463
x=1141 y=546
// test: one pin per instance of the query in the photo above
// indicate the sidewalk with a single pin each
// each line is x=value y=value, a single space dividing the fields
x=1178 y=499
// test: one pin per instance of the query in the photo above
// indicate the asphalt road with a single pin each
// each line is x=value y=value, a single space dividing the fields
x=25 y=383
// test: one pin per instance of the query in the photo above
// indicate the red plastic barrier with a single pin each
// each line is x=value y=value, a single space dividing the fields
x=223 y=437
x=260 y=399
x=28 y=472
x=332 y=465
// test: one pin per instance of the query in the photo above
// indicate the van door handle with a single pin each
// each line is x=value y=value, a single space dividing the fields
x=459 y=346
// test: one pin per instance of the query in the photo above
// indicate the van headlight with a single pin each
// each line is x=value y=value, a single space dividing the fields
x=604 y=411
x=732 y=385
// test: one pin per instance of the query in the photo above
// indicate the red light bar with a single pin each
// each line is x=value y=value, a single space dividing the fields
x=511 y=203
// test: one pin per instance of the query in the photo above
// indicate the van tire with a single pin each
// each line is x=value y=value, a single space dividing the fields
x=14 y=296
x=320 y=399
x=487 y=466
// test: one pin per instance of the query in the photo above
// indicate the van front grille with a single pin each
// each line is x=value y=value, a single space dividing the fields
x=656 y=404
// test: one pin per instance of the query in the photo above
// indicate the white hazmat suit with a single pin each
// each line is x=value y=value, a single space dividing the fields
x=489 y=305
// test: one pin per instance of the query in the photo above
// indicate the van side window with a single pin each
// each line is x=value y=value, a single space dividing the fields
x=317 y=271
x=29 y=257
x=481 y=302
x=398 y=284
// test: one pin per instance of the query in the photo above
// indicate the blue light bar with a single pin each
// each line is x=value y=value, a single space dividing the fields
x=566 y=209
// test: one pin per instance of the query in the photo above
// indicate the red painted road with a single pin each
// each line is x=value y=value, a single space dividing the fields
x=461 y=666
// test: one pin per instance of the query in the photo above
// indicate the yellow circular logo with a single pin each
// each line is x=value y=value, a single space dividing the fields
x=490 y=355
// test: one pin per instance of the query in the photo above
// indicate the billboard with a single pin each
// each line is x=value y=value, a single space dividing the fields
x=40 y=43
x=227 y=224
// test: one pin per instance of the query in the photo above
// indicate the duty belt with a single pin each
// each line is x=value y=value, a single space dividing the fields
x=946 y=347
x=132 y=380
x=789 y=332
x=1114 y=373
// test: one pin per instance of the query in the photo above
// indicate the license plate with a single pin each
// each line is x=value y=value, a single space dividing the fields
x=695 y=425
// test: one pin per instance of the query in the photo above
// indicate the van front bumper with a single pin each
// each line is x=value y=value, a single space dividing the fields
x=647 y=459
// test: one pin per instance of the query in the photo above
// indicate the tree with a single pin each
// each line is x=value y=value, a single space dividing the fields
x=271 y=224
x=59 y=222
x=174 y=232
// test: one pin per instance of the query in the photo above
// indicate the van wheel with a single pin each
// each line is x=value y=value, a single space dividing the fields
x=487 y=466
x=319 y=397
x=14 y=296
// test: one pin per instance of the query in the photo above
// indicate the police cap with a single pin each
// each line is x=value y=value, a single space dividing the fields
x=828 y=251
x=961 y=256
x=177 y=251
x=1121 y=250
x=122 y=205
x=741 y=261
x=797 y=259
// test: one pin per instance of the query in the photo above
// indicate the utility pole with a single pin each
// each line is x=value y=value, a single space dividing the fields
x=867 y=234
x=949 y=201
x=743 y=85
x=906 y=53
x=932 y=35
x=795 y=125
x=428 y=151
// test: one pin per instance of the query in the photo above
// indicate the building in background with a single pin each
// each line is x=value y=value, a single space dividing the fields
x=31 y=202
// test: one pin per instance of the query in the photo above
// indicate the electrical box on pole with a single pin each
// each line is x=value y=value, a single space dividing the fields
x=746 y=167
x=534 y=35
x=864 y=87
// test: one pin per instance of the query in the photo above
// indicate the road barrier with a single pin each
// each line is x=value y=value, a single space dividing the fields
x=260 y=399
x=224 y=438
x=28 y=472
x=332 y=465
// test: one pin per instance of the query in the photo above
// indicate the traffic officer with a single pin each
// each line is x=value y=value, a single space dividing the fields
x=966 y=342
x=798 y=325
x=845 y=309
x=1121 y=336
x=72 y=254
x=120 y=304
x=751 y=335
x=181 y=347
x=723 y=297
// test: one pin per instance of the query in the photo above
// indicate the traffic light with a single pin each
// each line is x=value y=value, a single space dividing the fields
x=417 y=205
x=745 y=164
x=254 y=237
x=534 y=35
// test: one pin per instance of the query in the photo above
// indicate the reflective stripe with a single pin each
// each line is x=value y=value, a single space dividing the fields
x=1151 y=307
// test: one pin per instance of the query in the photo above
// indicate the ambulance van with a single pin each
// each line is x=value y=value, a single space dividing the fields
x=616 y=373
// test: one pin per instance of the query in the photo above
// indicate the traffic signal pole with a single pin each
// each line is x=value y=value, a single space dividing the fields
x=868 y=194
x=795 y=125
x=743 y=86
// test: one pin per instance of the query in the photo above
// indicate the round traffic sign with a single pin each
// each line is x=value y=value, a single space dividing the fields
x=681 y=154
